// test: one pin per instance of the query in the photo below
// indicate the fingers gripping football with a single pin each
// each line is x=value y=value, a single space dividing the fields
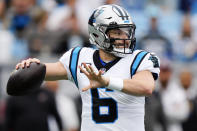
x=26 y=63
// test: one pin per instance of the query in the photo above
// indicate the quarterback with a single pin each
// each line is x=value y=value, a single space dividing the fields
x=113 y=80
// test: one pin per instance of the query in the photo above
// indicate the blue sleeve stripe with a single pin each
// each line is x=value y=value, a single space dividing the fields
x=137 y=61
x=73 y=63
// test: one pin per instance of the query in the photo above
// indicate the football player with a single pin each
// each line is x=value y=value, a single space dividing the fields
x=113 y=80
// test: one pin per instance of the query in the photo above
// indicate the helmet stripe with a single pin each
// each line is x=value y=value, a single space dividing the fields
x=119 y=11
x=126 y=14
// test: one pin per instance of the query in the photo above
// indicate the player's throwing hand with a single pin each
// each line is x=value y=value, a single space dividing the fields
x=96 y=79
x=26 y=63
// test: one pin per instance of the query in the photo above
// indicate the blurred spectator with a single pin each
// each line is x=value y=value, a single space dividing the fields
x=155 y=120
x=6 y=40
x=185 y=46
x=21 y=19
x=2 y=10
x=47 y=5
x=194 y=7
x=167 y=5
x=63 y=26
x=2 y=114
x=186 y=79
x=174 y=99
x=186 y=82
x=185 y=5
x=60 y=18
x=190 y=123
x=134 y=4
x=155 y=42
x=32 y=112
x=66 y=107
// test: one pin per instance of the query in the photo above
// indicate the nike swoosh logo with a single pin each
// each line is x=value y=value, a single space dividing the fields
x=108 y=18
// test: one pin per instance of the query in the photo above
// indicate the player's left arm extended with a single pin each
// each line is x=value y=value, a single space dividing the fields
x=141 y=84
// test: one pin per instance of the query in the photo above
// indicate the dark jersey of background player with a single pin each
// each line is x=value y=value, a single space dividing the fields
x=30 y=112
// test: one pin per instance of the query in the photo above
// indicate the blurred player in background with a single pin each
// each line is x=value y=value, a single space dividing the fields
x=112 y=80
x=34 y=112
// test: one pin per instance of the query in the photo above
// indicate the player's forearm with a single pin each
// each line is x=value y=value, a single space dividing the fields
x=55 y=71
x=138 y=87
x=141 y=84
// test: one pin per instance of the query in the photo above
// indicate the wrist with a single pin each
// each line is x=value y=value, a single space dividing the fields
x=115 y=83
x=106 y=81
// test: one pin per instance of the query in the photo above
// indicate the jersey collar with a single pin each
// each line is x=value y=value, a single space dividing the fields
x=101 y=64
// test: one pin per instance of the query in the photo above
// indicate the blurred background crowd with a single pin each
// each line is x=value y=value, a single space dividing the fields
x=45 y=29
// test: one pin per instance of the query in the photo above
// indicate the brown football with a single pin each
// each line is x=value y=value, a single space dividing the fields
x=26 y=80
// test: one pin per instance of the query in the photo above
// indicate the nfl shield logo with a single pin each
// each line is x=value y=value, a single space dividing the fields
x=103 y=70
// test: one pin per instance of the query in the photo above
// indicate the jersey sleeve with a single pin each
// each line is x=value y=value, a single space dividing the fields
x=152 y=63
x=65 y=60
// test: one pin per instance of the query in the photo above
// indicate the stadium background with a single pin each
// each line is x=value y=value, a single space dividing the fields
x=45 y=29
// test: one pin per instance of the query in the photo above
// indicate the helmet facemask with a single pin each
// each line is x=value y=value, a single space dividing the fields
x=119 y=39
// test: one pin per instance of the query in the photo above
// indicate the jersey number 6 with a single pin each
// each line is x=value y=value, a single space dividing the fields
x=98 y=103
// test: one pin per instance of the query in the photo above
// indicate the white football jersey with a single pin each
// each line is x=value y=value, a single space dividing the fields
x=104 y=109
